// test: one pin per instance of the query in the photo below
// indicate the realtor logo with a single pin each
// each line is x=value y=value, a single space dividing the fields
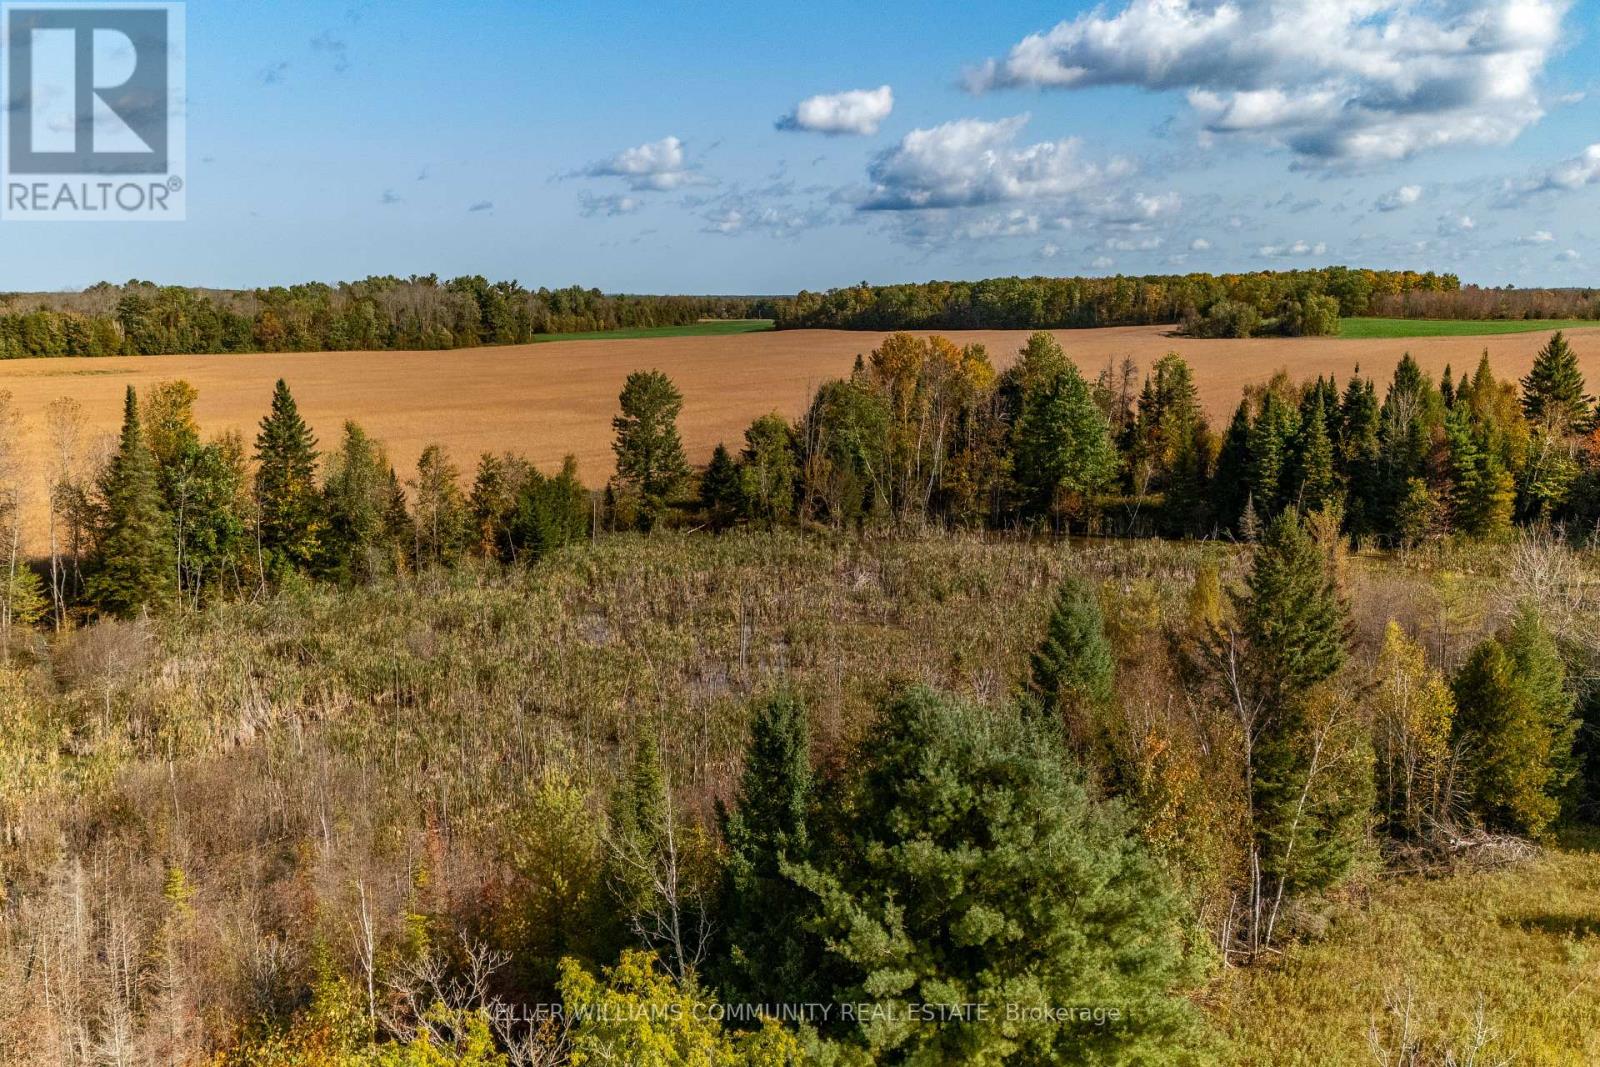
x=93 y=119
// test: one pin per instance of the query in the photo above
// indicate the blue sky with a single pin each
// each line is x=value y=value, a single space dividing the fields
x=753 y=148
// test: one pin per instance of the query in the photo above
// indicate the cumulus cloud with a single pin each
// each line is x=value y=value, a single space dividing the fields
x=1199 y=244
x=1295 y=250
x=974 y=162
x=1537 y=237
x=1571 y=255
x=857 y=111
x=1336 y=81
x=1404 y=196
x=659 y=165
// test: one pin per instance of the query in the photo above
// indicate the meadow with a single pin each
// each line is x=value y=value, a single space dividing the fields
x=553 y=398
x=201 y=810
x=1370 y=328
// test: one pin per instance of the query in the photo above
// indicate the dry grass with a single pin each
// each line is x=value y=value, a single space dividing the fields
x=550 y=399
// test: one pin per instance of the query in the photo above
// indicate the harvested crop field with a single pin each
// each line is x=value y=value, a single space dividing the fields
x=552 y=398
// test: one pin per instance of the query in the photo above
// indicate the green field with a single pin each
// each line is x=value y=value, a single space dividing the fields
x=704 y=328
x=1362 y=329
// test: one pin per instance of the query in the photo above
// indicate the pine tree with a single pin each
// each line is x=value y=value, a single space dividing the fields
x=134 y=567
x=290 y=523
x=1072 y=670
x=650 y=462
x=965 y=855
x=719 y=487
x=768 y=958
x=1552 y=394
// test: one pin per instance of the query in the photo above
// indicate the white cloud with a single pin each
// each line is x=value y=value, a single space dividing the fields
x=1333 y=80
x=1537 y=237
x=1574 y=173
x=972 y=162
x=1404 y=196
x=1571 y=255
x=660 y=165
x=858 y=111
x=1199 y=244
x=1297 y=249
x=619 y=204
x=1102 y=262
x=1450 y=225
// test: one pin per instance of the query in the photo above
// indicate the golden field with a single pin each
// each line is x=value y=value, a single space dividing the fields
x=550 y=399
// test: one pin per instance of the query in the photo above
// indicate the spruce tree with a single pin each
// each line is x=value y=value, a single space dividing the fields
x=1064 y=454
x=1552 y=394
x=1232 y=479
x=1412 y=414
x=1314 y=463
x=650 y=462
x=1357 y=450
x=1307 y=797
x=134 y=567
x=1072 y=669
x=1271 y=454
x=290 y=523
x=719 y=487
x=768 y=957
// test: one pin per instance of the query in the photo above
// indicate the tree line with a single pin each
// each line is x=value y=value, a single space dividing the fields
x=377 y=313
x=1289 y=303
x=922 y=431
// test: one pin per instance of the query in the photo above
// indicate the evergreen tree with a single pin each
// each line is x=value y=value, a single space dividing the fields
x=769 y=960
x=1064 y=454
x=1072 y=669
x=965 y=863
x=134 y=566
x=1552 y=394
x=719 y=488
x=289 y=522
x=1516 y=727
x=1314 y=462
x=550 y=512
x=1309 y=789
x=1411 y=417
x=1232 y=478
x=1271 y=454
x=650 y=462
x=1358 y=455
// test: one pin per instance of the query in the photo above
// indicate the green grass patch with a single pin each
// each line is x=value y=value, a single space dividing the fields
x=1520 y=944
x=703 y=328
x=1365 y=328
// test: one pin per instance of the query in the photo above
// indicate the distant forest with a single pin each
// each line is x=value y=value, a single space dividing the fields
x=426 y=312
x=141 y=318
x=1281 y=303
